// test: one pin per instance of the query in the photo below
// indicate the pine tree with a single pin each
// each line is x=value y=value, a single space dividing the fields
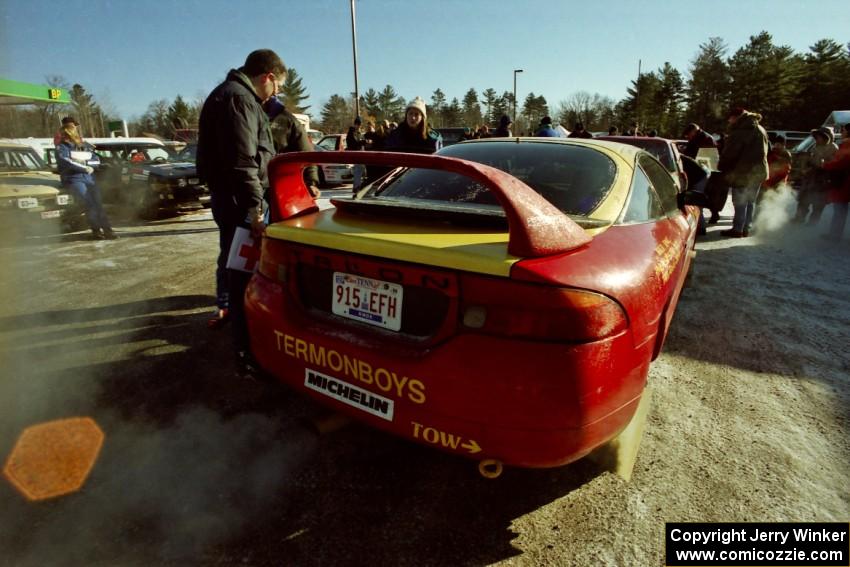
x=453 y=113
x=763 y=77
x=392 y=105
x=471 y=115
x=294 y=93
x=372 y=104
x=707 y=90
x=488 y=98
x=179 y=114
x=438 y=107
x=824 y=85
x=501 y=107
x=336 y=114
x=668 y=102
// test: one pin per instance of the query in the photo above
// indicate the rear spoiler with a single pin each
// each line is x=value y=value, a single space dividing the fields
x=536 y=227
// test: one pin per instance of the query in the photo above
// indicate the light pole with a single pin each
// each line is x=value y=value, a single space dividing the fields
x=515 y=72
x=354 y=49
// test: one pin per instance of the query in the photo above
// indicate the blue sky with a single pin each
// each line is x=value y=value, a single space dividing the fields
x=130 y=53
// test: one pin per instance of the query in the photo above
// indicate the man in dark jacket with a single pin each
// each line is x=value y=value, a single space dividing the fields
x=743 y=165
x=504 y=129
x=234 y=148
x=580 y=132
x=697 y=138
x=289 y=136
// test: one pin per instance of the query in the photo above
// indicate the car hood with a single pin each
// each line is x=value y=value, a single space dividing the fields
x=179 y=169
x=470 y=250
x=29 y=184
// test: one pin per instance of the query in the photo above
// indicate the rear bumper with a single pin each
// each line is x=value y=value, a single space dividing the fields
x=179 y=197
x=524 y=403
x=34 y=215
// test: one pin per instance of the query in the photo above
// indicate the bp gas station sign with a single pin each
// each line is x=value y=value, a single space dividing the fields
x=16 y=92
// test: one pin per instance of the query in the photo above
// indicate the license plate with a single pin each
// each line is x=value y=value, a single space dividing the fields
x=50 y=214
x=27 y=202
x=363 y=299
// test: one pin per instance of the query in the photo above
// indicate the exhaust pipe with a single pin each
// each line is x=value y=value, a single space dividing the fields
x=490 y=468
x=328 y=423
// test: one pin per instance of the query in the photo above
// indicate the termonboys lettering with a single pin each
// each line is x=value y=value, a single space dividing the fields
x=354 y=368
x=349 y=394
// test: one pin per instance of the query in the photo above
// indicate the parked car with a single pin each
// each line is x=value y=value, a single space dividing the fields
x=165 y=187
x=44 y=147
x=666 y=151
x=116 y=157
x=31 y=196
x=798 y=158
x=792 y=137
x=334 y=173
x=501 y=299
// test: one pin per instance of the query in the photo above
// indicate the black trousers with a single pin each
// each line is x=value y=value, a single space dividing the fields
x=235 y=281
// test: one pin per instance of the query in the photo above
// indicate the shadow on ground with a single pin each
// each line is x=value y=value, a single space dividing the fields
x=788 y=322
x=202 y=468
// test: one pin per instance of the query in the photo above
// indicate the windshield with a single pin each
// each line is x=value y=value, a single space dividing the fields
x=134 y=153
x=20 y=159
x=575 y=179
x=188 y=153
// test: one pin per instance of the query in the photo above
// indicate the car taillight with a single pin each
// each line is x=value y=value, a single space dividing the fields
x=273 y=260
x=504 y=307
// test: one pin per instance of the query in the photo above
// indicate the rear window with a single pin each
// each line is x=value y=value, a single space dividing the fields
x=573 y=178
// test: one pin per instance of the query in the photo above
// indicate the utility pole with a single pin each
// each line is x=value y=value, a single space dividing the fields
x=354 y=49
x=515 y=72
x=637 y=101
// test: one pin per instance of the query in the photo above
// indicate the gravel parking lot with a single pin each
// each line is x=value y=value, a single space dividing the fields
x=749 y=422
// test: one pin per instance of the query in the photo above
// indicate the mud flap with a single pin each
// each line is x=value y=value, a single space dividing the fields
x=620 y=453
x=689 y=278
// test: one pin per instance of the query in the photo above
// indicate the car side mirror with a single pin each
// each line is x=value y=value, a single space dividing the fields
x=694 y=198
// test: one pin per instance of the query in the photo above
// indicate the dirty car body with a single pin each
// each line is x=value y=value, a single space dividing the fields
x=30 y=194
x=169 y=186
x=500 y=300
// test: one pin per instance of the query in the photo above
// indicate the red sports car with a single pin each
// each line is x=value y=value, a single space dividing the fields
x=500 y=300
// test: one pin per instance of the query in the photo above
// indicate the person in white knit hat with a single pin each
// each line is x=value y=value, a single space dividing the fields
x=414 y=135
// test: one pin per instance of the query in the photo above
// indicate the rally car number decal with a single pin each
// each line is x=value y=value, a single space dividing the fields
x=367 y=300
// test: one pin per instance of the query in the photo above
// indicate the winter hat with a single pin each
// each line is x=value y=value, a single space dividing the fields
x=546 y=120
x=419 y=105
x=273 y=107
x=69 y=120
x=825 y=132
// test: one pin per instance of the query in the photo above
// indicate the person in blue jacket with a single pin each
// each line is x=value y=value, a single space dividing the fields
x=545 y=130
x=77 y=175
